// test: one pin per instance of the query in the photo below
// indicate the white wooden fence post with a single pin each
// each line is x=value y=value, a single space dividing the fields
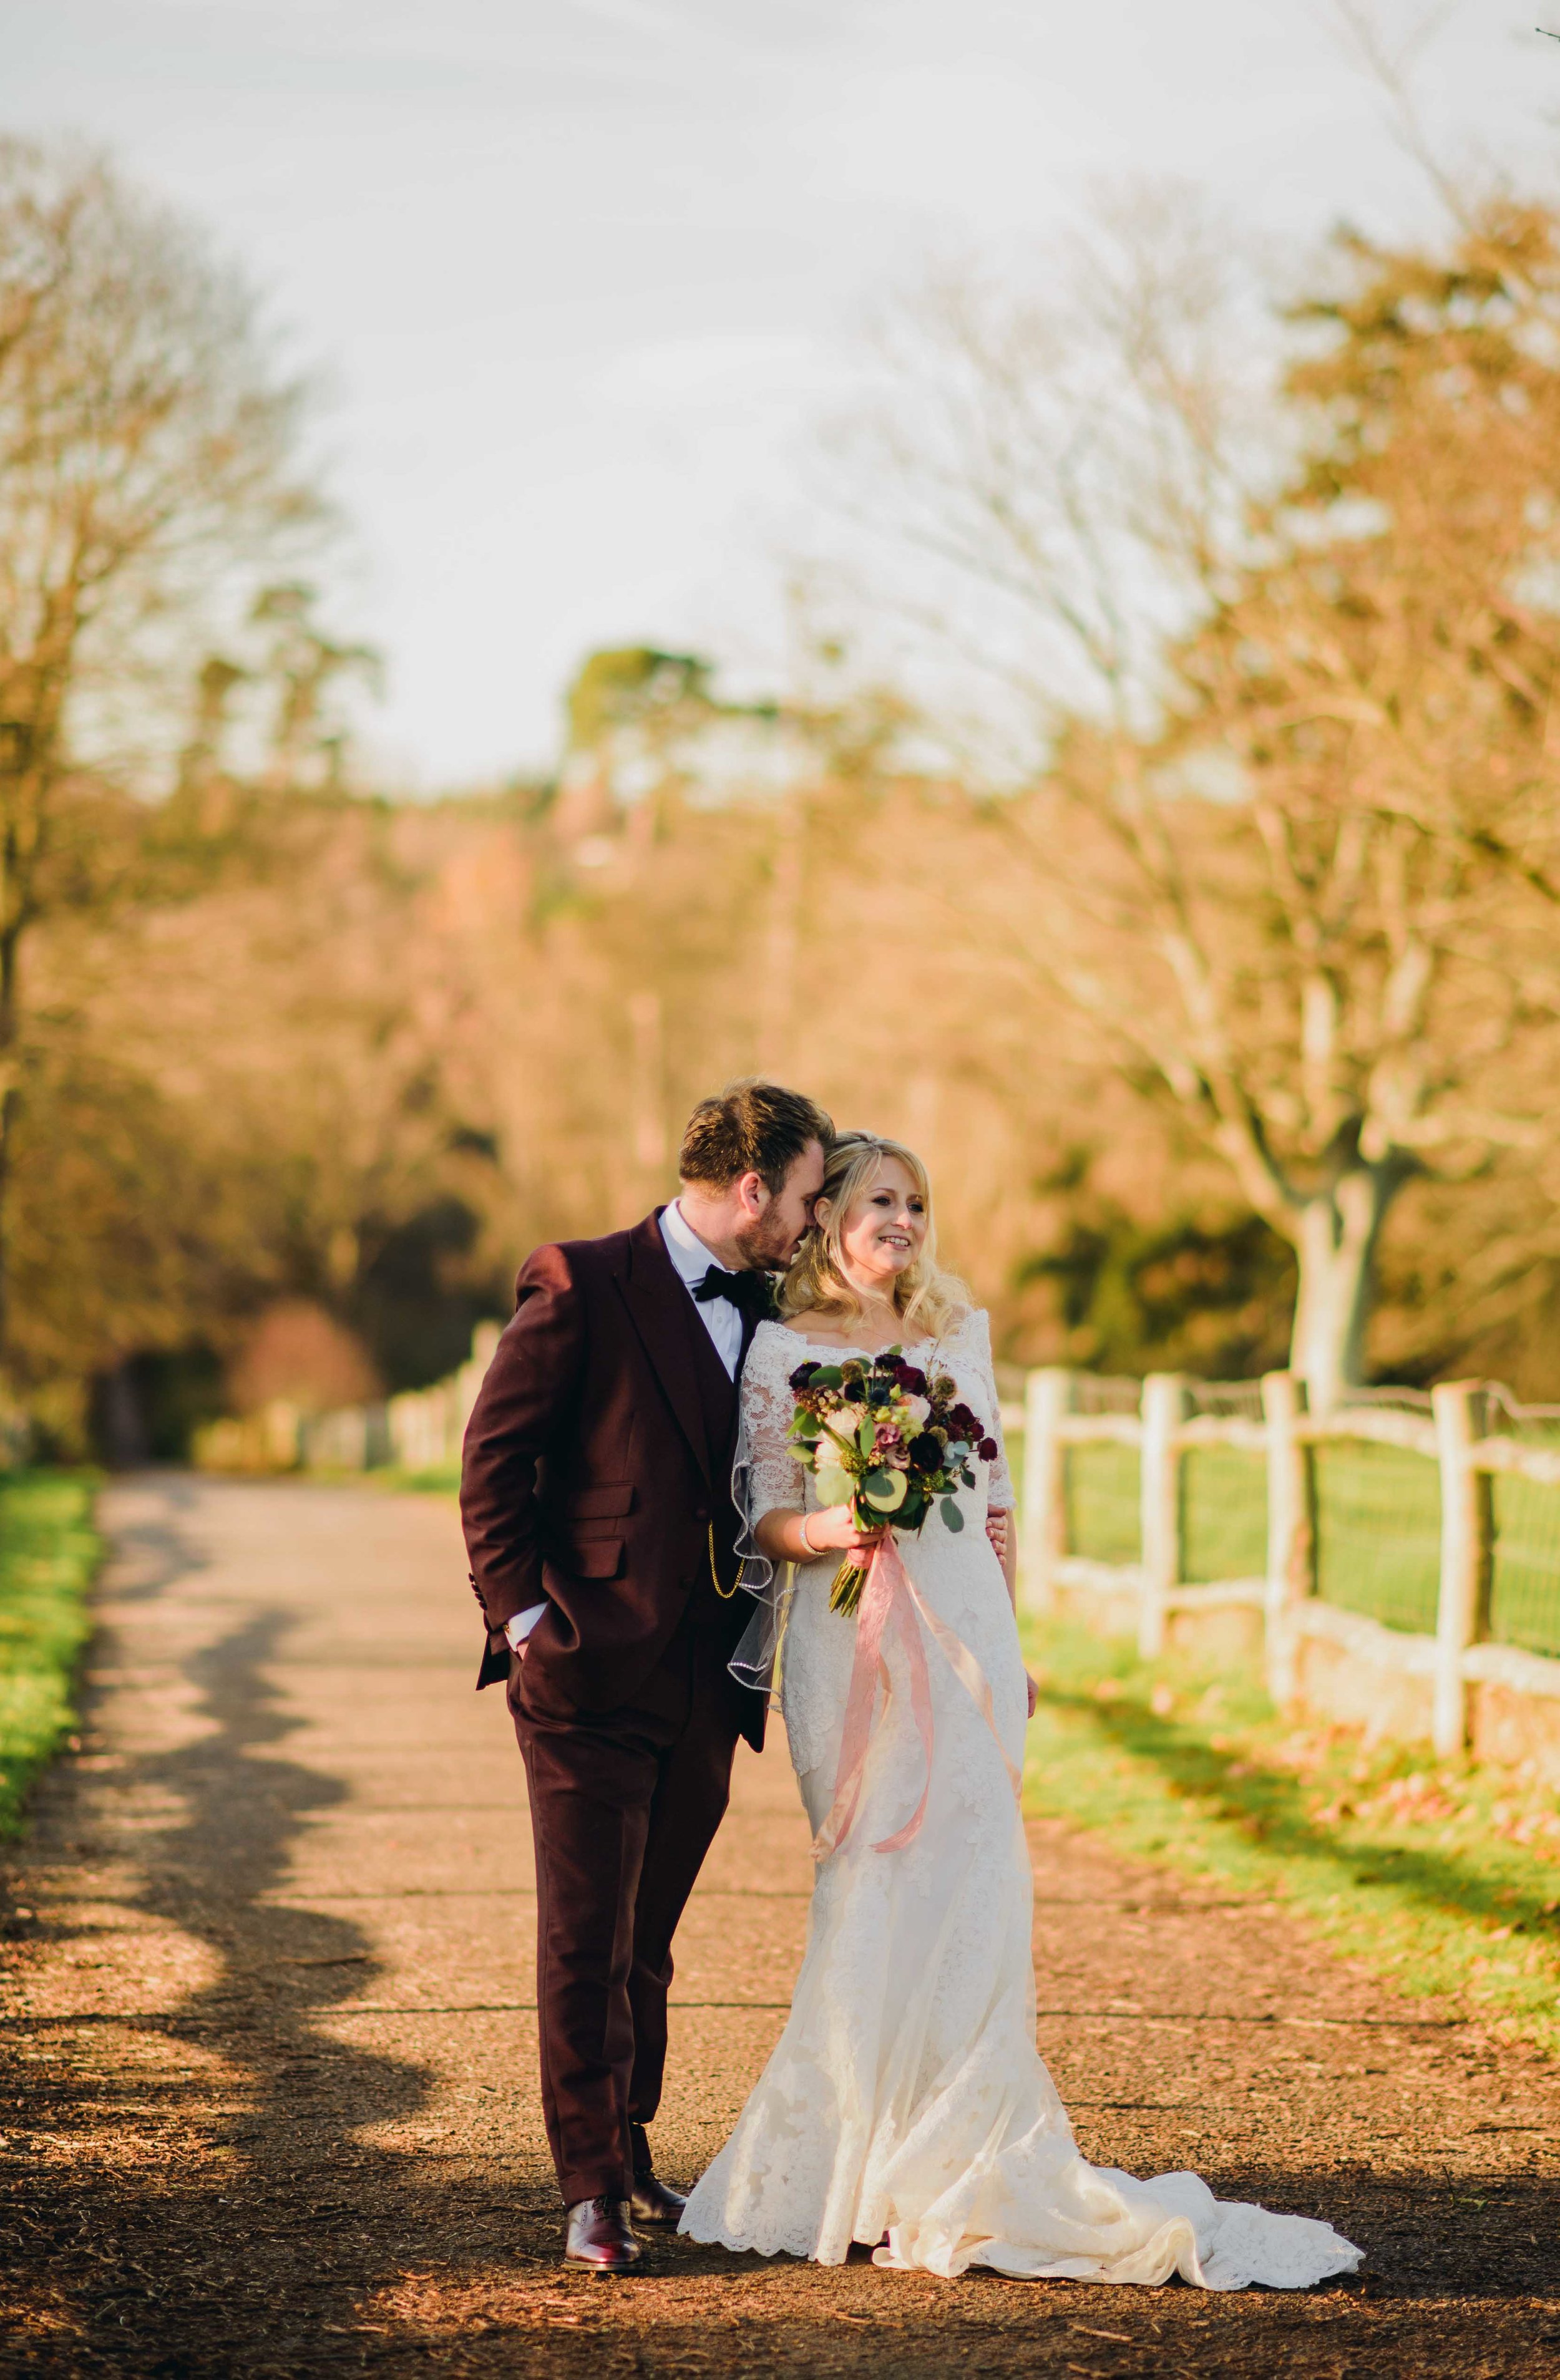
x=1291 y=1529
x=1164 y=1409
x=1048 y=1394
x=1467 y=1540
x=279 y=1428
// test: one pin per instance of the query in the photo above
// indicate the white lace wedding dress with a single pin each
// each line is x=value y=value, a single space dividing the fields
x=905 y=2096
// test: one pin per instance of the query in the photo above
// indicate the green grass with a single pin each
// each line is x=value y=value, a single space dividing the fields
x=1378 y=1534
x=48 y=1556
x=443 y=1480
x=1102 y=1501
x=1223 y=1513
x=1525 y=1591
x=1442 y=1878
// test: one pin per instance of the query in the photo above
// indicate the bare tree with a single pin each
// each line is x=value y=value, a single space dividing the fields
x=1310 y=902
x=151 y=484
x=1066 y=466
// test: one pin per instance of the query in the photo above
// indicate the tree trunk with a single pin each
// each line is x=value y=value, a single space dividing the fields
x=10 y=1096
x=1336 y=1238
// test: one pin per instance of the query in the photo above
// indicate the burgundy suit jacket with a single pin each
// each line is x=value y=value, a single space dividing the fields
x=591 y=1477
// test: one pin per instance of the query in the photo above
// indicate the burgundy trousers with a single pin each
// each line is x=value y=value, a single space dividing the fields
x=624 y=1805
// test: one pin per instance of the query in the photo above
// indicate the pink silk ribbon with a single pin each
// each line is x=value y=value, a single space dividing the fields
x=890 y=1596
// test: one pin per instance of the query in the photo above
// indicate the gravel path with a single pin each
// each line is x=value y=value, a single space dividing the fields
x=268 y=2096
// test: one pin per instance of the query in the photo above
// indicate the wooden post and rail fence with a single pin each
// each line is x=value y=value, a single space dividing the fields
x=417 y=1432
x=1420 y=1674
x=1459 y=1435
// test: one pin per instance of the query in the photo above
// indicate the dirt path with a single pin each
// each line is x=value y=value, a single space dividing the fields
x=268 y=2094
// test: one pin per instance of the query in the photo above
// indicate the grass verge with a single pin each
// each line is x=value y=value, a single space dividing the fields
x=48 y=1555
x=1442 y=1878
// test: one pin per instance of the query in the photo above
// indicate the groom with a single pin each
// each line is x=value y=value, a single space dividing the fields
x=596 y=1500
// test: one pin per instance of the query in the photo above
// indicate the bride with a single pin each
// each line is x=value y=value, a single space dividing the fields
x=905 y=2104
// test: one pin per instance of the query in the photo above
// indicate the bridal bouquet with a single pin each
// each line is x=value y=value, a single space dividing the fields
x=883 y=1437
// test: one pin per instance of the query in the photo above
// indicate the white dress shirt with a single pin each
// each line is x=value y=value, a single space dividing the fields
x=690 y=1261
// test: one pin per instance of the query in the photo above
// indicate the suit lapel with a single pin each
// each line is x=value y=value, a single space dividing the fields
x=662 y=1311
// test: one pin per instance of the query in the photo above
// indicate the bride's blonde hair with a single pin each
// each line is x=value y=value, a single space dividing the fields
x=817 y=1284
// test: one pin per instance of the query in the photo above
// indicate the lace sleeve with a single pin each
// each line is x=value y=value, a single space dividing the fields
x=999 y=1484
x=765 y=1475
x=774 y=1476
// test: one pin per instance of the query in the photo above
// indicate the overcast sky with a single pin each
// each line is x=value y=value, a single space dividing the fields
x=583 y=272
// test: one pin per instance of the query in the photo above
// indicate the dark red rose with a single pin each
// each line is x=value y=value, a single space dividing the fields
x=911 y=1379
x=987 y=1450
x=926 y=1451
x=801 y=1375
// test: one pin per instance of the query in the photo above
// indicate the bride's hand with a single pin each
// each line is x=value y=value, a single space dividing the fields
x=835 y=1529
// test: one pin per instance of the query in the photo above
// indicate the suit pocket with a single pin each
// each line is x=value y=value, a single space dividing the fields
x=591 y=1510
x=594 y=1558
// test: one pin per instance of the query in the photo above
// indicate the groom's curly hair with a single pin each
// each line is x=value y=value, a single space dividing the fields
x=752 y=1127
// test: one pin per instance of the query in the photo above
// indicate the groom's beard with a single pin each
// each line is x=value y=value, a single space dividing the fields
x=767 y=1245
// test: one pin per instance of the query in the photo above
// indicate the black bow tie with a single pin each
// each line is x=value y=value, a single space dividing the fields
x=748 y=1292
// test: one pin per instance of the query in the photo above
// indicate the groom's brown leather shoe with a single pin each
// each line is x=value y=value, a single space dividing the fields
x=653 y=2201
x=600 y=2235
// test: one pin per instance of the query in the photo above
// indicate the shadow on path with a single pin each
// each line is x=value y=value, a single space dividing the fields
x=202 y=2199
x=201 y=2202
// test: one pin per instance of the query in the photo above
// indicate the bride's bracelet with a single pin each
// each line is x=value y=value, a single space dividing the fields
x=807 y=1542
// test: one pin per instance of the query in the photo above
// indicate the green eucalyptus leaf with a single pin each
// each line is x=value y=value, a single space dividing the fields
x=951 y=1515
